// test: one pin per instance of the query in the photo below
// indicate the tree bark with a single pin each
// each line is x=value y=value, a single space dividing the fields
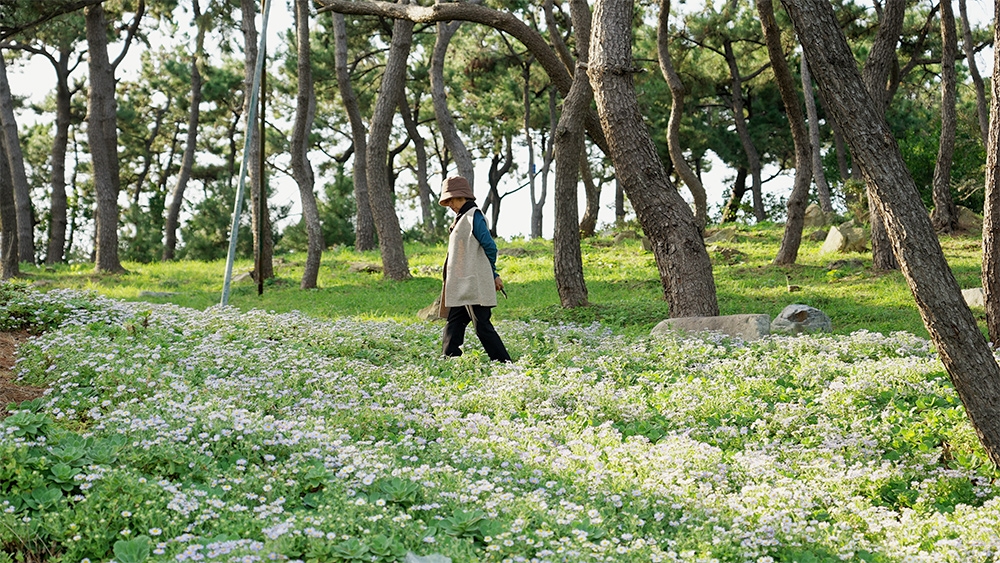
x=56 y=247
x=797 y=200
x=683 y=263
x=822 y=187
x=944 y=217
x=753 y=157
x=569 y=145
x=969 y=46
x=380 y=195
x=15 y=158
x=446 y=125
x=592 y=190
x=102 y=134
x=961 y=346
x=9 y=266
x=305 y=112
x=537 y=198
x=677 y=94
x=732 y=207
x=263 y=243
x=875 y=77
x=190 y=147
x=991 y=206
x=419 y=147
x=364 y=224
x=497 y=172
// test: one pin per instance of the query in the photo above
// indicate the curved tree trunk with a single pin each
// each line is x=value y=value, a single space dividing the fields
x=962 y=348
x=15 y=162
x=190 y=147
x=588 y=223
x=753 y=157
x=944 y=217
x=497 y=172
x=683 y=263
x=797 y=200
x=822 y=188
x=449 y=132
x=677 y=94
x=56 y=247
x=305 y=112
x=364 y=225
x=569 y=145
x=102 y=134
x=991 y=207
x=875 y=77
x=9 y=266
x=380 y=195
x=419 y=147
x=263 y=243
x=982 y=106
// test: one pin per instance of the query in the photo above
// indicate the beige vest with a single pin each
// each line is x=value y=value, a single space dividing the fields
x=468 y=276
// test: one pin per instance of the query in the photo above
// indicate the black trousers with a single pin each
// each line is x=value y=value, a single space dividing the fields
x=454 y=332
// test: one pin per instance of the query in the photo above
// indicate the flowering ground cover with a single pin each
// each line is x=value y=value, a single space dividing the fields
x=172 y=434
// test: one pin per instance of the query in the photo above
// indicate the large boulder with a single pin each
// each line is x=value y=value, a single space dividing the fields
x=968 y=221
x=747 y=327
x=815 y=217
x=845 y=239
x=727 y=234
x=801 y=319
x=974 y=297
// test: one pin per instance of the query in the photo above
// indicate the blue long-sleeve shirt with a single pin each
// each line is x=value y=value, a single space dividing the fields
x=482 y=234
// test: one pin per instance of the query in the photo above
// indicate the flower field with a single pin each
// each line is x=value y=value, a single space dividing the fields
x=172 y=434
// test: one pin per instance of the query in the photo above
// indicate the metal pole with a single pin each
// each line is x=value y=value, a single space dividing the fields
x=261 y=192
x=251 y=125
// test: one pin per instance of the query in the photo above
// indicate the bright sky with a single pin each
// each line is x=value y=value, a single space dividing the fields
x=36 y=79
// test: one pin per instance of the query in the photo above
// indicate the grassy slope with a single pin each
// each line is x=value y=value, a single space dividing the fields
x=622 y=281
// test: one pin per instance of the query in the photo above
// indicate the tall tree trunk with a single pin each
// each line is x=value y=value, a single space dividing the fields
x=15 y=158
x=822 y=188
x=56 y=247
x=962 y=348
x=190 y=147
x=619 y=203
x=732 y=207
x=569 y=145
x=419 y=147
x=969 y=46
x=305 y=112
x=683 y=263
x=944 y=217
x=875 y=77
x=677 y=94
x=753 y=157
x=991 y=206
x=9 y=266
x=797 y=200
x=446 y=125
x=364 y=224
x=380 y=195
x=263 y=243
x=102 y=134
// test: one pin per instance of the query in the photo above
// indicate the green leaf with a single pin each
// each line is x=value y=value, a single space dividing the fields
x=132 y=551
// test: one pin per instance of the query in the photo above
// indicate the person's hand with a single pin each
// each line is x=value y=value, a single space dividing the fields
x=498 y=283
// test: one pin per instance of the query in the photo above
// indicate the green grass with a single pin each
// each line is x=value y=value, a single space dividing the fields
x=622 y=281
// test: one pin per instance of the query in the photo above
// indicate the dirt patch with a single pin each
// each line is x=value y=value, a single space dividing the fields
x=10 y=391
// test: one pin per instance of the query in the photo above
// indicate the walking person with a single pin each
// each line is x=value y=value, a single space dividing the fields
x=471 y=281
